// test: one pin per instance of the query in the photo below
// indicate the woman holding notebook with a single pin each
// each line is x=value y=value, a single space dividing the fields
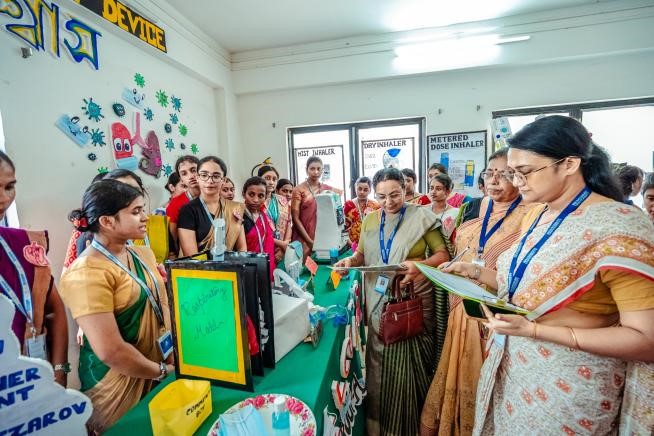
x=450 y=405
x=582 y=361
x=398 y=374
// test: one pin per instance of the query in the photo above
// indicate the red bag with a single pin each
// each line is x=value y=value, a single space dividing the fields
x=401 y=316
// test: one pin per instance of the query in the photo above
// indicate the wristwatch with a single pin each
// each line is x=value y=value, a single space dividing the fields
x=65 y=367
x=164 y=371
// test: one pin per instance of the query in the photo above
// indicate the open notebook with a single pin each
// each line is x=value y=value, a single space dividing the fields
x=470 y=292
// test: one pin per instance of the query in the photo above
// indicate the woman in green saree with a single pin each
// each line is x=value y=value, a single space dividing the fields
x=398 y=375
x=117 y=296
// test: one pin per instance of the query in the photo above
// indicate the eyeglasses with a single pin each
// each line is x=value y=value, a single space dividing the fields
x=393 y=197
x=520 y=179
x=505 y=175
x=214 y=177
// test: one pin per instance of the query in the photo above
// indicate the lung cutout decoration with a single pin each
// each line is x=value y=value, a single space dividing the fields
x=30 y=400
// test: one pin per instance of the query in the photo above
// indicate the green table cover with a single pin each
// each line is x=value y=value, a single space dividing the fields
x=305 y=373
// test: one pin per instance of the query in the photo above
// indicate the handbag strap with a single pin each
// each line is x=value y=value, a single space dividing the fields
x=396 y=291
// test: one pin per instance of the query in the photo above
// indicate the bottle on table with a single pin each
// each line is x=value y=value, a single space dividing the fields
x=281 y=418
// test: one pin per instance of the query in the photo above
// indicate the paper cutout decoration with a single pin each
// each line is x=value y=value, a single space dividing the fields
x=137 y=139
x=195 y=149
x=335 y=278
x=167 y=170
x=123 y=151
x=173 y=118
x=148 y=114
x=103 y=170
x=134 y=97
x=182 y=146
x=70 y=127
x=92 y=110
x=139 y=80
x=176 y=102
x=31 y=400
x=162 y=98
x=91 y=156
x=151 y=161
x=183 y=130
x=35 y=254
x=170 y=145
x=168 y=128
x=97 y=137
x=119 y=109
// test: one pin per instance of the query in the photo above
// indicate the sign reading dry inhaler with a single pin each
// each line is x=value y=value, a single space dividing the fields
x=128 y=20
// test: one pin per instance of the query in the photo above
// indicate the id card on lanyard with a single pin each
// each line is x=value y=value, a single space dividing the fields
x=35 y=345
x=385 y=247
x=485 y=236
x=219 y=220
x=166 y=338
x=517 y=271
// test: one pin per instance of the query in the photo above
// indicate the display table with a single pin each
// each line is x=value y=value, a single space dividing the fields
x=306 y=373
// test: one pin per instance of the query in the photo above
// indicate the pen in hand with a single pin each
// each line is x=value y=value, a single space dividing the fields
x=457 y=257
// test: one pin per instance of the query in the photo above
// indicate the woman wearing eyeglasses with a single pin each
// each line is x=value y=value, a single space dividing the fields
x=398 y=375
x=581 y=361
x=195 y=224
x=450 y=405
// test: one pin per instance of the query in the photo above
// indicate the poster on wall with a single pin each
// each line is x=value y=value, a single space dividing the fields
x=464 y=156
x=386 y=153
x=333 y=164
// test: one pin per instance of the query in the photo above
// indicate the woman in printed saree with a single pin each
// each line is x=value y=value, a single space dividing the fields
x=116 y=295
x=355 y=210
x=440 y=187
x=450 y=405
x=26 y=279
x=398 y=375
x=581 y=361
x=257 y=224
x=195 y=226
x=304 y=208
x=412 y=197
x=278 y=210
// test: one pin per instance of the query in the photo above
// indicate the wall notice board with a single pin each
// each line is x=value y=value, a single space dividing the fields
x=209 y=323
x=464 y=156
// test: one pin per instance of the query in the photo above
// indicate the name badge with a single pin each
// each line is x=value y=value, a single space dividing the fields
x=479 y=261
x=165 y=343
x=382 y=284
x=277 y=235
x=36 y=347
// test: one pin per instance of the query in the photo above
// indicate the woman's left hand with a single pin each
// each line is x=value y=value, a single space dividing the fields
x=512 y=325
x=411 y=272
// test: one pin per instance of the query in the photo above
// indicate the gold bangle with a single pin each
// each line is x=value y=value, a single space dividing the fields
x=534 y=334
x=575 y=344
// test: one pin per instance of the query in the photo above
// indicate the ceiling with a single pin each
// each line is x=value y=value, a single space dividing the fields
x=242 y=25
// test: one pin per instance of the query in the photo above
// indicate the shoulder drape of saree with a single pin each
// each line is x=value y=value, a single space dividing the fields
x=41 y=283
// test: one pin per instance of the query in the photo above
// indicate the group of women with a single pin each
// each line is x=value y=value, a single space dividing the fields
x=553 y=235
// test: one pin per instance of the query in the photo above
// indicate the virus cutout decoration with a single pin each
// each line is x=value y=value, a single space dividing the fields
x=176 y=102
x=97 y=137
x=194 y=148
x=162 y=98
x=92 y=110
x=168 y=128
x=173 y=118
x=183 y=130
x=119 y=109
x=139 y=80
x=103 y=170
x=148 y=114
x=167 y=170
x=182 y=146
x=91 y=157
x=170 y=145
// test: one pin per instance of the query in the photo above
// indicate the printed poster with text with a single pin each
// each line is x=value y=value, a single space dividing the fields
x=333 y=173
x=464 y=156
x=387 y=153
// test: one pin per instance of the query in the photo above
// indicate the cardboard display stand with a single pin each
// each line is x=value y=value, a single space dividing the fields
x=207 y=305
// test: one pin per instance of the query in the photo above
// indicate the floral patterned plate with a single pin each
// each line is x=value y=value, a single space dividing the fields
x=303 y=423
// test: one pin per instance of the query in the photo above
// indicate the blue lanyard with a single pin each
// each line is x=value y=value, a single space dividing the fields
x=153 y=302
x=386 y=247
x=206 y=210
x=263 y=223
x=189 y=196
x=484 y=237
x=146 y=240
x=25 y=307
x=516 y=274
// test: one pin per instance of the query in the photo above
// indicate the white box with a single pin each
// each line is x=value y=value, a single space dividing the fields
x=291 y=323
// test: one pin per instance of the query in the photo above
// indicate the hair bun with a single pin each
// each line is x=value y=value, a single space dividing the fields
x=79 y=220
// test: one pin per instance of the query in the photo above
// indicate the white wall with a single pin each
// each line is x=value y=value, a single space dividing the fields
x=52 y=170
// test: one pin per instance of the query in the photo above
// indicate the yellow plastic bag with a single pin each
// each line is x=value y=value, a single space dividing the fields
x=157 y=230
x=180 y=408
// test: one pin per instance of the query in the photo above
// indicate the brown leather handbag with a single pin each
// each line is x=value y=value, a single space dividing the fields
x=401 y=316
